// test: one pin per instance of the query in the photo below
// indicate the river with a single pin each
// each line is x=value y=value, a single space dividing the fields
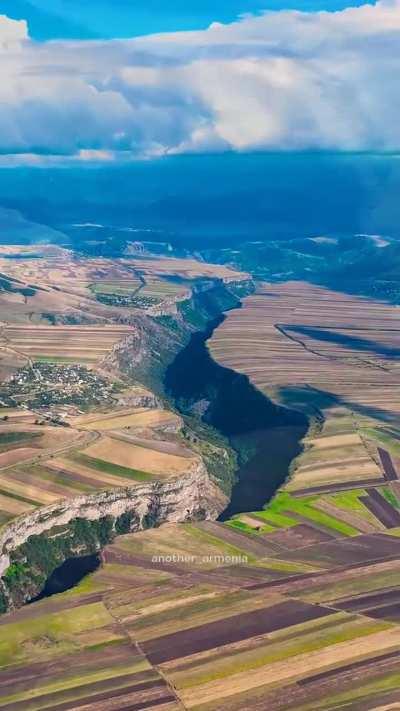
x=69 y=574
x=266 y=437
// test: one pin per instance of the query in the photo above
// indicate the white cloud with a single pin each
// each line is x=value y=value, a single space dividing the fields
x=11 y=32
x=284 y=80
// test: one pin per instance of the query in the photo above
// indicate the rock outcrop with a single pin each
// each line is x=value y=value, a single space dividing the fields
x=194 y=496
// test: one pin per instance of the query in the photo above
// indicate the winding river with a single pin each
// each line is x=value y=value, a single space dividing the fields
x=266 y=437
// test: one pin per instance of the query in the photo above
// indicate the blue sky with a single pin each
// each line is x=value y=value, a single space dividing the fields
x=88 y=19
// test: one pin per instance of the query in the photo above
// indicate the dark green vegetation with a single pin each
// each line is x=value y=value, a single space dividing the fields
x=218 y=455
x=11 y=440
x=13 y=286
x=120 y=294
x=161 y=340
x=34 y=561
x=139 y=302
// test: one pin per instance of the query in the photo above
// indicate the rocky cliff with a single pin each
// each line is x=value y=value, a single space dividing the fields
x=194 y=496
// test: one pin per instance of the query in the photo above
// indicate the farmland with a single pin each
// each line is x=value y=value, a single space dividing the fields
x=165 y=460
x=210 y=618
x=294 y=606
x=347 y=385
x=182 y=268
x=42 y=462
x=55 y=286
x=79 y=344
x=69 y=429
x=69 y=425
x=347 y=475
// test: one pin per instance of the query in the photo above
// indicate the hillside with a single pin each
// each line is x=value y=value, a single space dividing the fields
x=362 y=263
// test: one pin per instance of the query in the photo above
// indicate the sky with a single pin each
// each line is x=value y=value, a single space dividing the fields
x=107 y=19
x=114 y=80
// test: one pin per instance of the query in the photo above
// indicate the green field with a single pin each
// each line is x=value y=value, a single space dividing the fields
x=9 y=439
x=109 y=468
x=286 y=503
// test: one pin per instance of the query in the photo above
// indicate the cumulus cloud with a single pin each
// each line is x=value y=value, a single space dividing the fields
x=280 y=81
x=11 y=32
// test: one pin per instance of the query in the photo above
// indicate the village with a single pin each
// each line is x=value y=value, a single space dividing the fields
x=44 y=386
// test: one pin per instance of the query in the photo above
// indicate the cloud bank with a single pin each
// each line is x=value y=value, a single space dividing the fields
x=280 y=81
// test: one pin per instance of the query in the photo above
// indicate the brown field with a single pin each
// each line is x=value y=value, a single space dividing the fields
x=44 y=466
x=80 y=343
x=10 y=361
x=32 y=492
x=312 y=348
x=139 y=418
x=334 y=441
x=16 y=455
x=143 y=458
x=335 y=472
x=230 y=630
x=61 y=267
x=300 y=666
x=12 y=506
x=77 y=472
x=51 y=463
x=269 y=321
x=24 y=481
x=17 y=417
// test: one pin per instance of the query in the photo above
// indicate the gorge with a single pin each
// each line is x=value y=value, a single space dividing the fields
x=218 y=406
